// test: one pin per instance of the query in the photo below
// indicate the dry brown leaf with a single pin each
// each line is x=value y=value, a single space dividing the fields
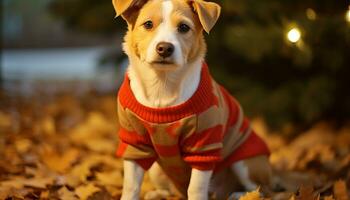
x=96 y=126
x=306 y=193
x=44 y=195
x=254 y=195
x=100 y=145
x=114 y=191
x=13 y=193
x=340 y=191
x=113 y=178
x=48 y=126
x=330 y=197
x=292 y=181
x=60 y=163
x=70 y=180
x=9 y=168
x=65 y=194
x=23 y=145
x=5 y=192
x=12 y=183
x=282 y=195
x=19 y=182
x=83 y=170
x=40 y=183
x=5 y=120
x=85 y=191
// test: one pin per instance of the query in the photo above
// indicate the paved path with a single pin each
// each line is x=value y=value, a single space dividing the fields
x=66 y=63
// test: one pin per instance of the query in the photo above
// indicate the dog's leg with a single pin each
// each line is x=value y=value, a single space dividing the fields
x=133 y=176
x=160 y=181
x=254 y=172
x=241 y=170
x=199 y=185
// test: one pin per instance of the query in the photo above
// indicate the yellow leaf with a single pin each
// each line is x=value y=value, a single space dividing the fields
x=23 y=145
x=11 y=184
x=114 y=191
x=85 y=191
x=100 y=145
x=60 y=163
x=340 y=191
x=44 y=195
x=65 y=194
x=48 y=126
x=254 y=195
x=19 y=182
x=113 y=178
x=38 y=182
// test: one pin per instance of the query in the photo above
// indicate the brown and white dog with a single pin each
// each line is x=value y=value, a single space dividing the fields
x=166 y=49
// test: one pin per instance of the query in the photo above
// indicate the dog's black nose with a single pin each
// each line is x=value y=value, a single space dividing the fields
x=165 y=49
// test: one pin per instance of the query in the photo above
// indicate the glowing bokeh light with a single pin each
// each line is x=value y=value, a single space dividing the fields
x=293 y=35
x=311 y=14
x=347 y=15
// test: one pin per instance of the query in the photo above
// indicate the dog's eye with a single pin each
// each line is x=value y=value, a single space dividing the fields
x=183 y=28
x=148 y=25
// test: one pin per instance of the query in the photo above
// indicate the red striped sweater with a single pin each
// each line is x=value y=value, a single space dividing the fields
x=207 y=132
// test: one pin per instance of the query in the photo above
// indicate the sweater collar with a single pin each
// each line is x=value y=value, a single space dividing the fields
x=201 y=100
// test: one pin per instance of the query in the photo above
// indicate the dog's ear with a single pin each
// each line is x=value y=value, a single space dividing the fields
x=208 y=13
x=128 y=9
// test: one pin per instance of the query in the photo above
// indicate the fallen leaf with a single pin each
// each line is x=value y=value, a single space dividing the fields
x=65 y=194
x=23 y=145
x=306 y=193
x=40 y=183
x=14 y=193
x=5 y=120
x=101 y=145
x=340 y=191
x=19 y=182
x=282 y=195
x=60 y=163
x=9 y=168
x=116 y=192
x=83 y=170
x=96 y=126
x=44 y=195
x=12 y=184
x=254 y=195
x=330 y=197
x=113 y=178
x=48 y=126
x=85 y=191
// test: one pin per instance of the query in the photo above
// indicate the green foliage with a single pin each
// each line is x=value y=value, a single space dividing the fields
x=248 y=52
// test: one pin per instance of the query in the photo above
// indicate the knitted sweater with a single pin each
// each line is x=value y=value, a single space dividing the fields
x=207 y=132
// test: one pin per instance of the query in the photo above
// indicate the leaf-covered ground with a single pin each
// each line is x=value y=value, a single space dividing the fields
x=60 y=145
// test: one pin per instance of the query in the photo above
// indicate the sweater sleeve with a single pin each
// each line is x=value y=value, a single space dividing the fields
x=202 y=150
x=132 y=144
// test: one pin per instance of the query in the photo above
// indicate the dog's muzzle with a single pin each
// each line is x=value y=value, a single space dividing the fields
x=165 y=49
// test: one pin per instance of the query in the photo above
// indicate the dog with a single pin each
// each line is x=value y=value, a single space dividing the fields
x=175 y=120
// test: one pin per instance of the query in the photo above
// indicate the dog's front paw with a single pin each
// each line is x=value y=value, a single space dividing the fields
x=157 y=194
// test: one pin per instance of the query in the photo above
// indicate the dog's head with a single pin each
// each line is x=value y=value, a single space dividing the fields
x=166 y=34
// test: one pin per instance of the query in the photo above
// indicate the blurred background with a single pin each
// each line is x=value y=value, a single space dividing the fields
x=286 y=61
